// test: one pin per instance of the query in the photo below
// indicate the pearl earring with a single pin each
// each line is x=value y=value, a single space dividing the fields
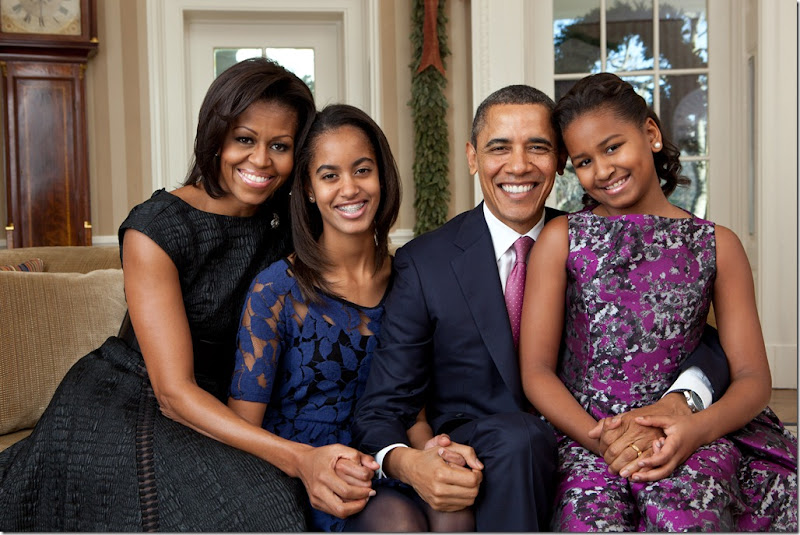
x=310 y=198
x=657 y=145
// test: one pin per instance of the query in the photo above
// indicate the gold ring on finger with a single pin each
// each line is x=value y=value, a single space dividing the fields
x=636 y=449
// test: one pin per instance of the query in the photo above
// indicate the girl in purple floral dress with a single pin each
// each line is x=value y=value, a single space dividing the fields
x=639 y=275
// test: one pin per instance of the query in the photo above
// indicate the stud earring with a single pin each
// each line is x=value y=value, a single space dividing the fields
x=310 y=198
x=657 y=145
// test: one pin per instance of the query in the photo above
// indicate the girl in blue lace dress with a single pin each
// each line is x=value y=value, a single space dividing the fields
x=639 y=275
x=310 y=323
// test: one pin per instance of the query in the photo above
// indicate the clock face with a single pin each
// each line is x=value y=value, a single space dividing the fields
x=56 y=17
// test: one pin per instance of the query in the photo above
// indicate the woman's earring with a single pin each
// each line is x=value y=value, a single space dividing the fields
x=657 y=145
x=310 y=198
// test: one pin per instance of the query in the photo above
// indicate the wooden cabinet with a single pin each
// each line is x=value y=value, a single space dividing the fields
x=47 y=178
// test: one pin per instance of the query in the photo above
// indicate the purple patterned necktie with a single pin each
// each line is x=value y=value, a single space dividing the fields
x=515 y=284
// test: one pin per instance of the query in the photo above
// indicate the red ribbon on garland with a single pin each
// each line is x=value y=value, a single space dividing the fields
x=431 y=55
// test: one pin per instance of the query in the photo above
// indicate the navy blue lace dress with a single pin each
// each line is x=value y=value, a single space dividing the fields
x=103 y=458
x=307 y=362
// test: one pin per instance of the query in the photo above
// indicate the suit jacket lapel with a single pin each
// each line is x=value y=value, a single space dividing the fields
x=476 y=272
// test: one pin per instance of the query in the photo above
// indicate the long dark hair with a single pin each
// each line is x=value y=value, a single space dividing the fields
x=310 y=261
x=229 y=96
x=609 y=91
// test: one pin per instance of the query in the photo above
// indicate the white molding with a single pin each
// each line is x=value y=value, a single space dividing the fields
x=171 y=138
x=776 y=188
x=400 y=237
x=783 y=365
x=110 y=239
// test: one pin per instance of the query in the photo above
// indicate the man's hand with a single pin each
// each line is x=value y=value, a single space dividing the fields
x=444 y=486
x=682 y=440
x=450 y=455
x=358 y=473
x=618 y=433
x=338 y=490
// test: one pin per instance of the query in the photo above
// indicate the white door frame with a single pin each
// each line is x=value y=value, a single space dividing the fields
x=166 y=39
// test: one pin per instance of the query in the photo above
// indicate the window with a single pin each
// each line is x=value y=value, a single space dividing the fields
x=298 y=60
x=661 y=48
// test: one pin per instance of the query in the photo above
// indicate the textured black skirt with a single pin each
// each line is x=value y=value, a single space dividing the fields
x=103 y=458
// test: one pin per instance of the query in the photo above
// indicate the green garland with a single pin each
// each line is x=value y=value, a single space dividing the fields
x=428 y=109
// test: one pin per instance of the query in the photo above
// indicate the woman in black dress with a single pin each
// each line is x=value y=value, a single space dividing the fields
x=137 y=436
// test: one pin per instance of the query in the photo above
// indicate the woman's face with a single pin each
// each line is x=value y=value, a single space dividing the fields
x=257 y=155
x=345 y=182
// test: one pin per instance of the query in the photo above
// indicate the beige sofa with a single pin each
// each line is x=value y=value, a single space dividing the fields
x=48 y=320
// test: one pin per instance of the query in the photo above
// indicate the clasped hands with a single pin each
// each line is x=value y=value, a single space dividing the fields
x=648 y=443
x=338 y=479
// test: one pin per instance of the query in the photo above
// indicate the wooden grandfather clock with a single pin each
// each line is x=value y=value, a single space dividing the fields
x=44 y=48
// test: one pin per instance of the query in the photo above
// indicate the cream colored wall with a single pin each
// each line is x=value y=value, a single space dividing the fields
x=119 y=129
x=395 y=27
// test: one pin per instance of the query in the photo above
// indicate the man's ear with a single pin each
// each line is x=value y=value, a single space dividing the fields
x=562 y=161
x=472 y=159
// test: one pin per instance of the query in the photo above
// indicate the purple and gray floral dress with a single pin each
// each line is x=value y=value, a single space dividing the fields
x=638 y=293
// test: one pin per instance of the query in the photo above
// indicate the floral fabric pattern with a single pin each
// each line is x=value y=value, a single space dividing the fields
x=638 y=293
x=307 y=361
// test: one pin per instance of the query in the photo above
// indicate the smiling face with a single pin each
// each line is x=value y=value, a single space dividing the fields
x=345 y=182
x=515 y=156
x=257 y=155
x=613 y=159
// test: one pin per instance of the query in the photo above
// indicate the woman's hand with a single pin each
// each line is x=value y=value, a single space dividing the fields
x=340 y=495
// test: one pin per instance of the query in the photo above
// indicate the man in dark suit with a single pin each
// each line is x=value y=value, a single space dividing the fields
x=447 y=343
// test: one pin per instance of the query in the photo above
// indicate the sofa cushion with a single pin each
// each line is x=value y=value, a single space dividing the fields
x=32 y=265
x=47 y=322
x=13 y=438
x=72 y=258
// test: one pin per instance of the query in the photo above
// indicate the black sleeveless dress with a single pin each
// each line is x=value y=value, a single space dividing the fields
x=103 y=458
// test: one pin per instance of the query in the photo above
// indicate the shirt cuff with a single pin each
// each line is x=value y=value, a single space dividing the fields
x=382 y=454
x=695 y=380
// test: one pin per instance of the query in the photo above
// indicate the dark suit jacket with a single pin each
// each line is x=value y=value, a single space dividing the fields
x=445 y=343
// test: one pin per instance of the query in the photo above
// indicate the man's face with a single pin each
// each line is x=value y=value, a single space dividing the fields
x=516 y=158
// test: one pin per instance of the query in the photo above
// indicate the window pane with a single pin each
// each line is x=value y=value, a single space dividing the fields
x=629 y=35
x=683 y=31
x=298 y=60
x=693 y=197
x=227 y=57
x=684 y=112
x=643 y=85
x=576 y=36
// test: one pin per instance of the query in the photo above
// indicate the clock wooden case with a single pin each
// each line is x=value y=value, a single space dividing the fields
x=44 y=49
